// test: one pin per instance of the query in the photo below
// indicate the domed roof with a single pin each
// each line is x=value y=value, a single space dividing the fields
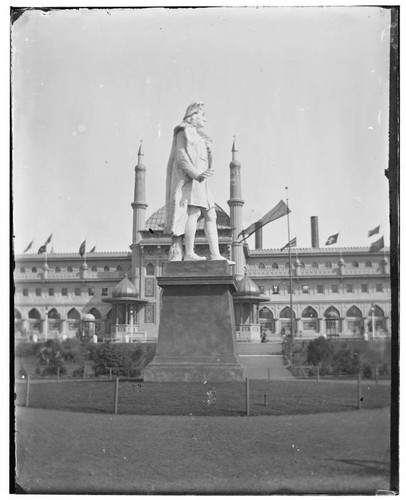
x=248 y=288
x=156 y=221
x=45 y=267
x=124 y=289
x=84 y=266
x=89 y=317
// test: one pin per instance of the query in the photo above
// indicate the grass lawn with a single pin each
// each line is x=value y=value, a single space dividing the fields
x=64 y=452
x=288 y=397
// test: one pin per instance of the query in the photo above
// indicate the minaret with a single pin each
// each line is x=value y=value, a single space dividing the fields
x=236 y=203
x=139 y=206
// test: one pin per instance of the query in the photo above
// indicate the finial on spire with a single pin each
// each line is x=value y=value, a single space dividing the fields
x=140 y=150
x=234 y=148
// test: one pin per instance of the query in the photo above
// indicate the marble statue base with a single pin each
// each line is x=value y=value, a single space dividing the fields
x=196 y=339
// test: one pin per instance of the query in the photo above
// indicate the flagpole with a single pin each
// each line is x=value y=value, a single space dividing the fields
x=290 y=273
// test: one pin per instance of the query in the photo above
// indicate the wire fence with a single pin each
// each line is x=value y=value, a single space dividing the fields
x=250 y=397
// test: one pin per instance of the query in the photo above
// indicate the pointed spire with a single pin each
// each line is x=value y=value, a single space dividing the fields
x=140 y=150
x=234 y=152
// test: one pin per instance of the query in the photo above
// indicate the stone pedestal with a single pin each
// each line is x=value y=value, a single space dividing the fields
x=196 y=339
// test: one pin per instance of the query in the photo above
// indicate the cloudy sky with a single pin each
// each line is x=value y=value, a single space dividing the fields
x=304 y=90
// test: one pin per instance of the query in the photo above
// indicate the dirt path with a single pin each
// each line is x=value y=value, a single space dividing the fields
x=62 y=452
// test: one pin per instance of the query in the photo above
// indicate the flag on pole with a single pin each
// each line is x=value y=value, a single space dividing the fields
x=377 y=245
x=49 y=239
x=291 y=244
x=29 y=246
x=373 y=231
x=82 y=249
x=42 y=249
x=278 y=211
x=93 y=250
x=332 y=239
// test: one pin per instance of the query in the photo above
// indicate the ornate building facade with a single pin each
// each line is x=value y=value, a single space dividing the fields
x=335 y=292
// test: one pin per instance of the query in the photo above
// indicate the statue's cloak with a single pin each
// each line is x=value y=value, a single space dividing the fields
x=185 y=165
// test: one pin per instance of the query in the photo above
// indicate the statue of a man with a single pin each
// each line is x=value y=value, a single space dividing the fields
x=187 y=192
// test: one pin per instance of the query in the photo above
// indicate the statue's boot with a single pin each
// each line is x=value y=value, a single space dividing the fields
x=210 y=229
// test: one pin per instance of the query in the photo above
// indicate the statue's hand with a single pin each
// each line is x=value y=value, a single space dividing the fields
x=205 y=175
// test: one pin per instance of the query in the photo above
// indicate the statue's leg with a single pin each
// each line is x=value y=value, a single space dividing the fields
x=175 y=252
x=210 y=229
x=190 y=232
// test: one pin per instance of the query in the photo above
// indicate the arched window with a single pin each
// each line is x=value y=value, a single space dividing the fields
x=377 y=311
x=265 y=313
x=368 y=263
x=22 y=269
x=53 y=314
x=261 y=265
x=150 y=270
x=129 y=269
x=34 y=269
x=107 y=269
x=354 y=312
x=355 y=264
x=34 y=314
x=328 y=265
x=119 y=269
x=94 y=269
x=109 y=315
x=332 y=312
x=17 y=314
x=70 y=269
x=96 y=313
x=57 y=269
x=286 y=313
x=74 y=314
x=309 y=312
x=315 y=265
x=275 y=266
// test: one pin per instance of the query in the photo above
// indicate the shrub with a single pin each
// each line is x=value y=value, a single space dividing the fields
x=346 y=362
x=45 y=371
x=27 y=349
x=367 y=370
x=125 y=359
x=319 y=352
x=78 y=372
x=50 y=358
x=73 y=350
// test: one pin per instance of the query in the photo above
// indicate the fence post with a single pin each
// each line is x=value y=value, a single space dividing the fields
x=27 y=394
x=376 y=374
x=318 y=374
x=359 y=391
x=116 y=397
x=111 y=373
x=265 y=397
x=84 y=371
x=58 y=370
x=247 y=396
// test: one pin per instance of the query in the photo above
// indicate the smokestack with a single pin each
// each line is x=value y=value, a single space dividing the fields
x=315 y=231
